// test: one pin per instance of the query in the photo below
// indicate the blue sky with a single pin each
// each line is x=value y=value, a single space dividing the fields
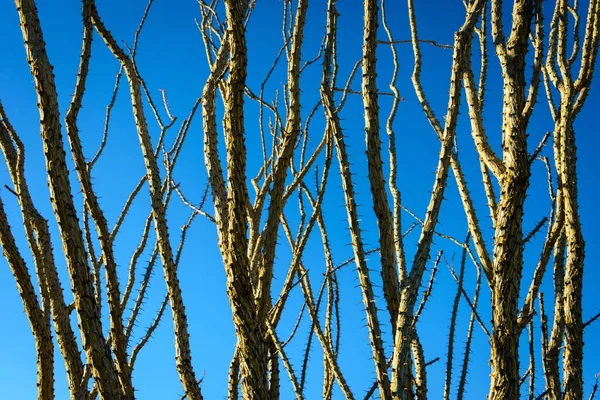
x=171 y=57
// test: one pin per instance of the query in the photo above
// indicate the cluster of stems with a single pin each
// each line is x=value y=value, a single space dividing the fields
x=282 y=206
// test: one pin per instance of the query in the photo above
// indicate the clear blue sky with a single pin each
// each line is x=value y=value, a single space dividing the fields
x=171 y=57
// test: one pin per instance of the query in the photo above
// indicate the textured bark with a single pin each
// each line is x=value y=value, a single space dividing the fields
x=453 y=316
x=212 y=160
x=39 y=322
x=377 y=181
x=251 y=332
x=420 y=369
x=38 y=237
x=97 y=351
x=117 y=333
x=573 y=289
x=274 y=387
x=507 y=268
x=234 y=376
x=551 y=352
x=328 y=376
x=508 y=246
x=572 y=95
x=230 y=202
